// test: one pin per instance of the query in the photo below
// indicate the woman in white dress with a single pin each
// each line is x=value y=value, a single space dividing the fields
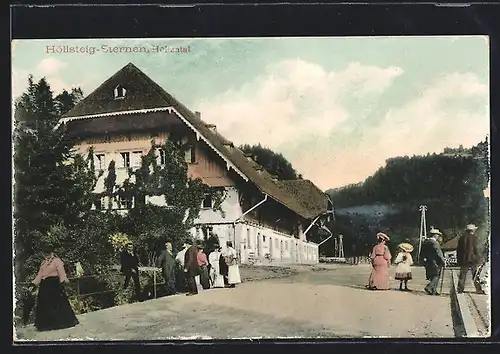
x=215 y=276
x=230 y=256
x=404 y=262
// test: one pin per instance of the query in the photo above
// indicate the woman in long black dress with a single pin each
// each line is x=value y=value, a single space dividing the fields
x=53 y=310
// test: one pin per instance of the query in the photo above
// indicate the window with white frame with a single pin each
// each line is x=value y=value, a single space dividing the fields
x=125 y=162
x=136 y=158
x=249 y=245
x=98 y=204
x=207 y=202
x=125 y=202
x=119 y=92
x=162 y=160
x=99 y=162
x=189 y=155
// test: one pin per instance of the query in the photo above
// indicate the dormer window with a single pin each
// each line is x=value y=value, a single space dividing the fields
x=119 y=92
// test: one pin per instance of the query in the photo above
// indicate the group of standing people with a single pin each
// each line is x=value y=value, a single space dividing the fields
x=468 y=257
x=187 y=270
x=191 y=270
x=381 y=261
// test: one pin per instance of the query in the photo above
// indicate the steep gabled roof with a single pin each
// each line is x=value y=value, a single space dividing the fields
x=309 y=198
x=144 y=94
x=141 y=93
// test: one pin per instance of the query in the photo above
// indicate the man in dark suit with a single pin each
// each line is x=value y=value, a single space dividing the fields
x=167 y=262
x=433 y=261
x=130 y=267
x=191 y=269
x=469 y=258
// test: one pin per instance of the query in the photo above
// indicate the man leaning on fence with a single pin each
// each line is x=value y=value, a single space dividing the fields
x=469 y=258
x=167 y=263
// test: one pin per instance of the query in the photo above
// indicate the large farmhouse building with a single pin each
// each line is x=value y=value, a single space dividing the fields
x=267 y=220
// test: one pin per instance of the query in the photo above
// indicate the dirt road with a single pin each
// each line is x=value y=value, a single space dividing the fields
x=325 y=303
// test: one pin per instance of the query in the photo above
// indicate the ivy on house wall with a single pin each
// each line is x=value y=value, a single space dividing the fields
x=151 y=225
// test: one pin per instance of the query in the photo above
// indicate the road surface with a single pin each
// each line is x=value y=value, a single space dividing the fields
x=315 y=303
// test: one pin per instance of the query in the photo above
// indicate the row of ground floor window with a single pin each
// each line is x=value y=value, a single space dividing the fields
x=258 y=244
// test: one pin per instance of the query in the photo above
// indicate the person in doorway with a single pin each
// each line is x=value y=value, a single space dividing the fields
x=53 y=310
x=381 y=260
x=233 y=271
x=166 y=262
x=403 y=262
x=130 y=268
x=469 y=258
x=215 y=275
x=203 y=268
x=191 y=269
x=434 y=261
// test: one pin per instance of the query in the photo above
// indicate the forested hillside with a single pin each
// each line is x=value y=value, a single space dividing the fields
x=451 y=184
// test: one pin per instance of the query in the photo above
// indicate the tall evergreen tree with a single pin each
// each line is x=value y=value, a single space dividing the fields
x=67 y=100
x=48 y=190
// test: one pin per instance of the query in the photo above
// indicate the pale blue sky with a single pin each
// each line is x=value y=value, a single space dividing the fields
x=335 y=107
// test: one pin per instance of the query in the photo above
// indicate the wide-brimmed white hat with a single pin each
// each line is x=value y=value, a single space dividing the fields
x=383 y=236
x=435 y=232
x=471 y=227
x=407 y=247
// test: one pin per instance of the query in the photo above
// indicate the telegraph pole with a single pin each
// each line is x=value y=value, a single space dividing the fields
x=341 y=246
x=423 y=229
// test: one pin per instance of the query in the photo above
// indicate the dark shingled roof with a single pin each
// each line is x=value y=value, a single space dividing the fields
x=122 y=123
x=302 y=197
x=310 y=198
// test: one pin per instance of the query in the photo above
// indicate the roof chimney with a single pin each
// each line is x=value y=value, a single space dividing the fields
x=197 y=114
x=248 y=155
x=212 y=127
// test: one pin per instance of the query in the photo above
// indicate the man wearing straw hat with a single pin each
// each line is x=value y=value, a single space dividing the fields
x=433 y=261
x=468 y=258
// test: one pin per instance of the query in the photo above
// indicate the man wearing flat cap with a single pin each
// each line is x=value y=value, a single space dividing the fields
x=468 y=258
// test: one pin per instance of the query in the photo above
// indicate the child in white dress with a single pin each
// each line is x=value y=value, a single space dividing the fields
x=404 y=261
